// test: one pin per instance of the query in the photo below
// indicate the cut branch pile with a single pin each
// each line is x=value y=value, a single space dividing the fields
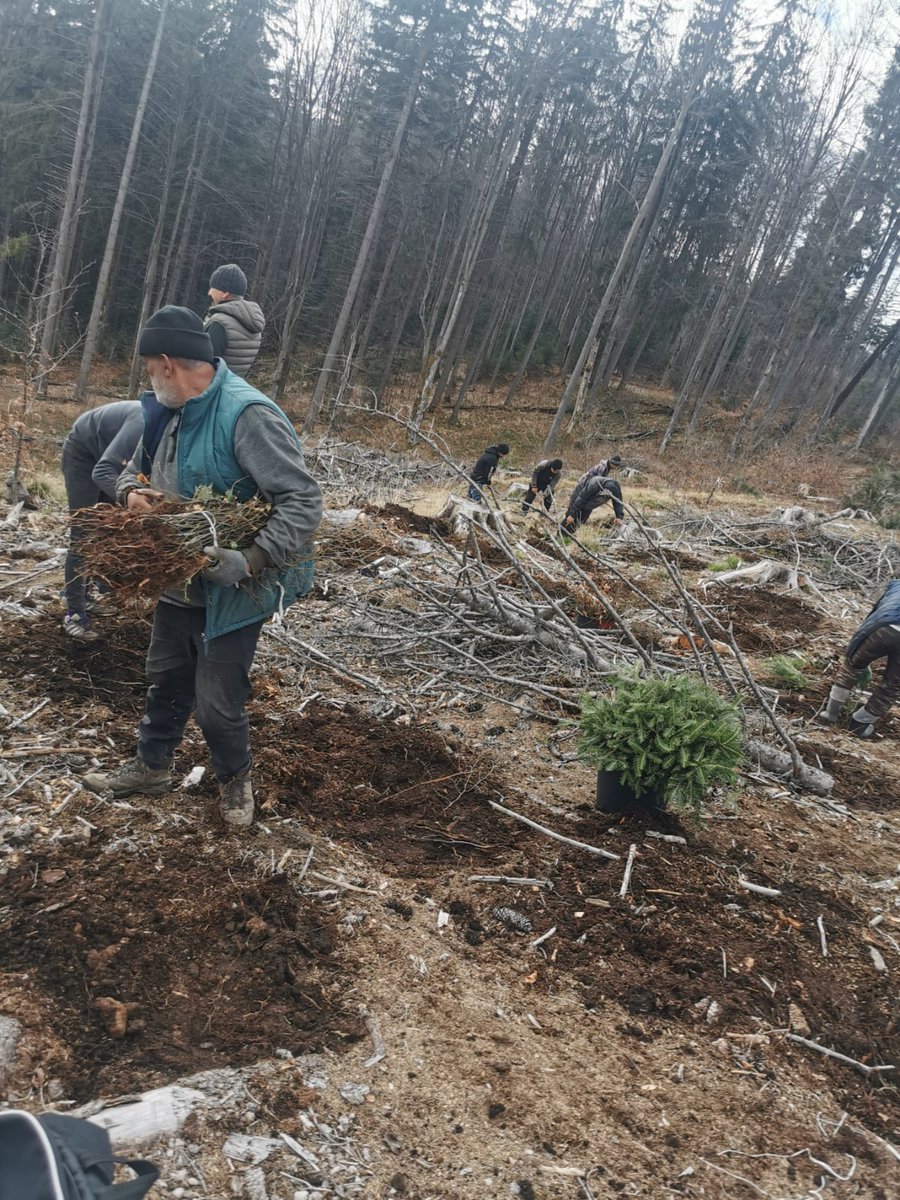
x=356 y=474
x=141 y=555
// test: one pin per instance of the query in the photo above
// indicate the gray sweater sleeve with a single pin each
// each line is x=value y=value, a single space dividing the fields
x=129 y=477
x=118 y=454
x=269 y=455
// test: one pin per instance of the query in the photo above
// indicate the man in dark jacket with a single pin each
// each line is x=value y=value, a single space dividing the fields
x=877 y=637
x=589 y=494
x=483 y=471
x=221 y=433
x=98 y=448
x=544 y=479
x=235 y=325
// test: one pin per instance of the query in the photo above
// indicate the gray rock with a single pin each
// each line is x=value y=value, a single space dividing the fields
x=10 y=1033
x=354 y=1093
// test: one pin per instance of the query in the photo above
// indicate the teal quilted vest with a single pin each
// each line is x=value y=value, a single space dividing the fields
x=206 y=457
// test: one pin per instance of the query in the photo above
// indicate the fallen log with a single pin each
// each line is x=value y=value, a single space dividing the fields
x=770 y=759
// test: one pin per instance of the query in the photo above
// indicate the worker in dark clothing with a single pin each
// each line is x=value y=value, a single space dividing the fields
x=877 y=637
x=587 y=496
x=483 y=471
x=544 y=479
x=99 y=446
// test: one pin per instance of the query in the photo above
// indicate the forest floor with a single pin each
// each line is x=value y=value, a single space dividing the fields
x=336 y=975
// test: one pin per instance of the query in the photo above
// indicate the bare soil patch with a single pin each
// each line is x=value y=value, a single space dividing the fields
x=688 y=935
x=222 y=966
x=406 y=519
x=397 y=791
x=44 y=660
x=763 y=619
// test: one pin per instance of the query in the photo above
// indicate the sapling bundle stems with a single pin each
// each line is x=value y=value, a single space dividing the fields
x=140 y=554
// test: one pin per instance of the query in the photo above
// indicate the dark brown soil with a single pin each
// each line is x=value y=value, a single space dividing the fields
x=222 y=965
x=46 y=662
x=857 y=782
x=397 y=790
x=763 y=619
x=659 y=953
x=408 y=520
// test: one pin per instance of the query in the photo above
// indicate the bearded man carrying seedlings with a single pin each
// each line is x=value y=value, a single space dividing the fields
x=205 y=427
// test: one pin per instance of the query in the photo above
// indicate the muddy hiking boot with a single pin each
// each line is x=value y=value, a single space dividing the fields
x=135 y=778
x=236 y=799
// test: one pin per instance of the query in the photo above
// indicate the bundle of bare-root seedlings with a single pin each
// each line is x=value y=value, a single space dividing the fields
x=142 y=554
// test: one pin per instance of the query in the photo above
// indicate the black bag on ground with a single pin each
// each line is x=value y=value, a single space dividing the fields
x=52 y=1157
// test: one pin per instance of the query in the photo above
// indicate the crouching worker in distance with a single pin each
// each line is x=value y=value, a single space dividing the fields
x=544 y=479
x=206 y=427
x=878 y=637
x=591 y=493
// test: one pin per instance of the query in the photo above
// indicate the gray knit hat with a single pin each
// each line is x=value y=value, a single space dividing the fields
x=229 y=278
x=177 y=332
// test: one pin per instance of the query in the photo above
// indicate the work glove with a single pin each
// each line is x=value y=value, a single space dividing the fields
x=228 y=567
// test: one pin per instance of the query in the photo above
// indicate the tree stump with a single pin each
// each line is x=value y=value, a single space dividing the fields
x=461 y=514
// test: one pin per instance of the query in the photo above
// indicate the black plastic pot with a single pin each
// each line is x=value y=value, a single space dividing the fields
x=614 y=797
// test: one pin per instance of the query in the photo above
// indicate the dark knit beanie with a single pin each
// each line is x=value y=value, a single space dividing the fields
x=615 y=461
x=502 y=448
x=177 y=332
x=229 y=278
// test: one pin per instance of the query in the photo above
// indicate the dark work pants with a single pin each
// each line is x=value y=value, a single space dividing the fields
x=883 y=643
x=532 y=494
x=211 y=679
x=81 y=492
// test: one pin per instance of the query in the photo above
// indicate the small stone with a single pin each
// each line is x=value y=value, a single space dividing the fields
x=714 y=1012
x=179 y=1191
x=722 y=1046
x=798 y=1021
x=249 y=1116
x=303 y=1194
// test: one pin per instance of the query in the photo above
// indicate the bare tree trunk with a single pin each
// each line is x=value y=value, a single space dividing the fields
x=648 y=206
x=372 y=229
x=93 y=330
x=153 y=259
x=68 y=219
x=399 y=326
x=885 y=396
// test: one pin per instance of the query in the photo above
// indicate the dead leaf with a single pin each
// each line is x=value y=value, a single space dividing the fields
x=54 y=875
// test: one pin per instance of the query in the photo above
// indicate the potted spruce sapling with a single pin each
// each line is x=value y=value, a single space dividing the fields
x=659 y=742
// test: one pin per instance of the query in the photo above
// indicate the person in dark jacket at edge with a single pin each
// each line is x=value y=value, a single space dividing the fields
x=544 y=479
x=483 y=471
x=590 y=494
x=204 y=426
x=877 y=637
x=97 y=449
x=235 y=324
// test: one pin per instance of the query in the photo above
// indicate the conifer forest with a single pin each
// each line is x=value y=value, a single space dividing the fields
x=467 y=192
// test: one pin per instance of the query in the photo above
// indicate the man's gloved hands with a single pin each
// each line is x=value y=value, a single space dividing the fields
x=228 y=567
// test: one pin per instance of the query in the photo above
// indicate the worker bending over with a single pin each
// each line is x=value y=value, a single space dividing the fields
x=877 y=637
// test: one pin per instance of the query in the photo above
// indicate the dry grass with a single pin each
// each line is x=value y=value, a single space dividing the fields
x=697 y=474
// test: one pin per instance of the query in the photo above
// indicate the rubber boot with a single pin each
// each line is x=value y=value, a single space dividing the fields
x=862 y=723
x=837 y=698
